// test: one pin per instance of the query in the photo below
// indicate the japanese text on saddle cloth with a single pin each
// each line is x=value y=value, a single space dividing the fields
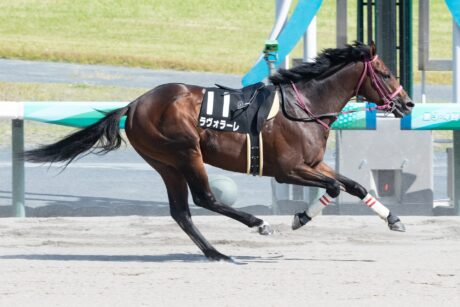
x=241 y=111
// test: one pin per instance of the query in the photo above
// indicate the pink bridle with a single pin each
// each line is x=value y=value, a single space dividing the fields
x=378 y=85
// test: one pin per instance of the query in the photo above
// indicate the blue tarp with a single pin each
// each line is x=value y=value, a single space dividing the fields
x=287 y=39
x=454 y=8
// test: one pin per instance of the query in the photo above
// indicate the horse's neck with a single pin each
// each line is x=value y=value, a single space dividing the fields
x=331 y=94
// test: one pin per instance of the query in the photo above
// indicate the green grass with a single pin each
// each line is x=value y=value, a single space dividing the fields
x=202 y=35
x=191 y=35
x=10 y=91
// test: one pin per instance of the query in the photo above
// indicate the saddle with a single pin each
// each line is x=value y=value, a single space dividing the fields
x=244 y=110
x=246 y=94
x=238 y=110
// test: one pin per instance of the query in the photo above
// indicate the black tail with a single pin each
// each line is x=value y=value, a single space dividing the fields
x=100 y=138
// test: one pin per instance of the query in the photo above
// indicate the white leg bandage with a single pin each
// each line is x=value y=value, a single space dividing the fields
x=319 y=205
x=376 y=206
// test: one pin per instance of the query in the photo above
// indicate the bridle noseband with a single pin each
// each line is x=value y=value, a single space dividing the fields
x=387 y=97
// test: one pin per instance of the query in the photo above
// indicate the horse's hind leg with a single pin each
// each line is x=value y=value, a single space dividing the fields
x=197 y=179
x=180 y=212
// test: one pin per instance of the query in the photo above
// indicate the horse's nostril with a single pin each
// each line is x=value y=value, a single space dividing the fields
x=410 y=104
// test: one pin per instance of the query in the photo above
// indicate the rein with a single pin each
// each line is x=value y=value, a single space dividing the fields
x=377 y=84
x=303 y=106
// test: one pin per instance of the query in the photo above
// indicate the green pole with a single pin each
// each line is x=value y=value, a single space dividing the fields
x=405 y=45
x=385 y=32
x=18 y=168
x=360 y=22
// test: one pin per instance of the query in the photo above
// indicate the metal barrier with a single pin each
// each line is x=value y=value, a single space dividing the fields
x=81 y=114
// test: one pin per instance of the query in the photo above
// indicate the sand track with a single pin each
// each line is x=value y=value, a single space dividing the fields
x=149 y=261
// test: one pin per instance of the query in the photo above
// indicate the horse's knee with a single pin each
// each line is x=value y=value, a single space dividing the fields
x=353 y=187
x=357 y=190
x=334 y=189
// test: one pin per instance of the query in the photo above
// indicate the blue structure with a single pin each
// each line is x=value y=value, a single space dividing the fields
x=292 y=32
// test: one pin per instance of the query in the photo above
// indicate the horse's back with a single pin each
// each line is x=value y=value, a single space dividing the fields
x=162 y=125
x=166 y=102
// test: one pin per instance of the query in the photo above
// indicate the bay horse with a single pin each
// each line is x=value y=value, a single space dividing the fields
x=162 y=126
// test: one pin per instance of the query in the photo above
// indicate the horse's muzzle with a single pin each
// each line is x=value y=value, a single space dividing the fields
x=403 y=107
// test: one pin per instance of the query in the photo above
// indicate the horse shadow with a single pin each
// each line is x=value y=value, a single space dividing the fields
x=168 y=258
x=177 y=257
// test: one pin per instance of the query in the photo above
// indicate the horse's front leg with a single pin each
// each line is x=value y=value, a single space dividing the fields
x=355 y=189
x=305 y=175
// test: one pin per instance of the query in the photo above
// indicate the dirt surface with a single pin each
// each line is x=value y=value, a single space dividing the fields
x=149 y=261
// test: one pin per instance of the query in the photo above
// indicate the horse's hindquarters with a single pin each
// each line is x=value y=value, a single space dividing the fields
x=162 y=124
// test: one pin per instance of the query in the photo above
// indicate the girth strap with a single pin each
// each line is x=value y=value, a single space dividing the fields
x=255 y=154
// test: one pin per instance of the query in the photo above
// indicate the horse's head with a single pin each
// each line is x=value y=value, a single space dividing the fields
x=379 y=85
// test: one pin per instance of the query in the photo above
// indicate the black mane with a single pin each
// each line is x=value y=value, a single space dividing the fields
x=328 y=59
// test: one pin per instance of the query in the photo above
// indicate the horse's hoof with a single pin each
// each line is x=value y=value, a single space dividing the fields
x=395 y=224
x=214 y=255
x=299 y=220
x=265 y=229
x=398 y=226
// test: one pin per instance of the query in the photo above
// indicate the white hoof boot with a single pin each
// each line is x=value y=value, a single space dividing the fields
x=265 y=229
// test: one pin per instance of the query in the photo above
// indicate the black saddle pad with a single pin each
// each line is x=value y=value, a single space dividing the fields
x=225 y=110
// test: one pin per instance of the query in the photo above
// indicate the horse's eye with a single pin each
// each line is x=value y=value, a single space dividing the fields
x=385 y=77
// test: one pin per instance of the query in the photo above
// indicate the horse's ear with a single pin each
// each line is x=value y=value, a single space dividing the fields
x=373 y=49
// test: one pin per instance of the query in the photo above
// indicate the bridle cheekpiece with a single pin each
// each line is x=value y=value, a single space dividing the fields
x=377 y=83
